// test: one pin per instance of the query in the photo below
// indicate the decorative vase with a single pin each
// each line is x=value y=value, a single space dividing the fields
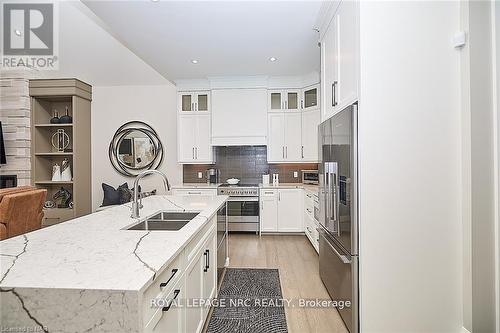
x=65 y=171
x=55 y=119
x=56 y=173
x=66 y=119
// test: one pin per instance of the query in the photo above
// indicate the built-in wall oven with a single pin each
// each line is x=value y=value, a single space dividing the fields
x=242 y=207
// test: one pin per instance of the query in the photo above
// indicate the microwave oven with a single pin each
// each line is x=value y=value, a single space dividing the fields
x=310 y=177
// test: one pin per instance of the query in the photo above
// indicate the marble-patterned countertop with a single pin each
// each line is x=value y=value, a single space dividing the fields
x=94 y=252
x=308 y=187
x=196 y=185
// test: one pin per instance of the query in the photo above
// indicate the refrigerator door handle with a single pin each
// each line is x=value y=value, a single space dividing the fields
x=335 y=201
x=342 y=257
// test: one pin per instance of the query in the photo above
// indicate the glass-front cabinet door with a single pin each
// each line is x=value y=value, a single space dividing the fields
x=276 y=100
x=310 y=98
x=187 y=102
x=202 y=102
x=292 y=100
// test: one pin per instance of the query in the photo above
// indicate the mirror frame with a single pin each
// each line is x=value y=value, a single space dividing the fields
x=120 y=134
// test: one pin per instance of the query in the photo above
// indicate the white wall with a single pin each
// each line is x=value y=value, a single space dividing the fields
x=409 y=147
x=114 y=106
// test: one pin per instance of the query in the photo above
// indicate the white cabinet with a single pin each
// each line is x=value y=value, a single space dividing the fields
x=171 y=317
x=193 y=133
x=340 y=59
x=310 y=98
x=209 y=271
x=281 y=210
x=290 y=210
x=194 y=290
x=284 y=100
x=194 y=101
x=192 y=276
x=284 y=137
x=310 y=224
x=268 y=210
x=293 y=136
x=310 y=122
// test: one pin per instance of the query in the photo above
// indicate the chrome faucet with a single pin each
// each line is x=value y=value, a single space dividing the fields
x=136 y=204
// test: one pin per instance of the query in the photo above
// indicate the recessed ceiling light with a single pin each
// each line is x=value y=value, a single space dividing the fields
x=194 y=61
x=17 y=32
x=154 y=0
x=273 y=59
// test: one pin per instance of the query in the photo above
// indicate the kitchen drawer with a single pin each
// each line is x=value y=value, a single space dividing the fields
x=268 y=192
x=163 y=283
x=311 y=231
x=172 y=319
x=195 y=191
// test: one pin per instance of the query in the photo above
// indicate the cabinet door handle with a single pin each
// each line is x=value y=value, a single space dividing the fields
x=286 y=151
x=176 y=293
x=193 y=153
x=302 y=104
x=164 y=284
x=196 y=106
x=196 y=152
x=334 y=93
x=302 y=151
x=192 y=106
x=286 y=104
x=207 y=260
x=283 y=151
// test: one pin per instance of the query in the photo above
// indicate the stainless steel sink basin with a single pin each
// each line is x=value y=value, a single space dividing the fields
x=165 y=221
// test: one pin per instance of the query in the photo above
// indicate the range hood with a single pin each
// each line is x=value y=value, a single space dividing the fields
x=239 y=117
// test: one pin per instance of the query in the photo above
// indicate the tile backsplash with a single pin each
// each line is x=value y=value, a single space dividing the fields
x=247 y=163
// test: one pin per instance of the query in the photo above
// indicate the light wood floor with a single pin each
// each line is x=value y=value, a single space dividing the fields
x=297 y=262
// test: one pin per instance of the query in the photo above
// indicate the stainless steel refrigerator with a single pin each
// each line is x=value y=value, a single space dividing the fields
x=338 y=181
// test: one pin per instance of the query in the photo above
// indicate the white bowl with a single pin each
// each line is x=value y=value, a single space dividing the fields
x=233 y=181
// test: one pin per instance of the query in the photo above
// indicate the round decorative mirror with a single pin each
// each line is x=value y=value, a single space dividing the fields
x=135 y=147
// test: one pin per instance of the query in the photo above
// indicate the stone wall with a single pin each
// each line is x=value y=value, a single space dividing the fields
x=15 y=118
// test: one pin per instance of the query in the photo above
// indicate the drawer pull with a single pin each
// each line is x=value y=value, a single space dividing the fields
x=176 y=293
x=164 y=284
x=194 y=193
x=207 y=260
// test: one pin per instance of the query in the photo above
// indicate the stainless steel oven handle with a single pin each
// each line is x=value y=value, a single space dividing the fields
x=241 y=199
x=342 y=257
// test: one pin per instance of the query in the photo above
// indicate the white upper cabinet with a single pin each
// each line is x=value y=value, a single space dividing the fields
x=193 y=136
x=284 y=100
x=310 y=98
x=276 y=137
x=194 y=101
x=293 y=140
x=339 y=59
x=310 y=123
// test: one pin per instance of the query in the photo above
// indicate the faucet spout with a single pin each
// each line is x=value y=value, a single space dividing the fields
x=135 y=203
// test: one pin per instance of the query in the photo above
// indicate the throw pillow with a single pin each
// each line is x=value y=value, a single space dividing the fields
x=112 y=195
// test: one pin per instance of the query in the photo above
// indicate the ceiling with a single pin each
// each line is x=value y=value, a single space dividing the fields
x=226 y=37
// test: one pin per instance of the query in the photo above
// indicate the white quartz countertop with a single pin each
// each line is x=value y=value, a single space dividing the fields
x=311 y=188
x=195 y=185
x=94 y=252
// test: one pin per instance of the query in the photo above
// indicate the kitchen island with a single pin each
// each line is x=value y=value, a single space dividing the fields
x=91 y=274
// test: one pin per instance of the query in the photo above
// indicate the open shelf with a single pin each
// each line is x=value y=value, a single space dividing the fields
x=50 y=182
x=53 y=154
x=53 y=125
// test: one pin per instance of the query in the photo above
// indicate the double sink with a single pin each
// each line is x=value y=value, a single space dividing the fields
x=166 y=221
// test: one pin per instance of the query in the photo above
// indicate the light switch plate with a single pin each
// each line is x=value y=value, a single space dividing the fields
x=200 y=175
x=295 y=174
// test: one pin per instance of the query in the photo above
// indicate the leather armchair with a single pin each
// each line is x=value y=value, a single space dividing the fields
x=21 y=210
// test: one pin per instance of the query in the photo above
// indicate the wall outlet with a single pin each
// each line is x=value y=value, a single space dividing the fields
x=295 y=174
x=200 y=175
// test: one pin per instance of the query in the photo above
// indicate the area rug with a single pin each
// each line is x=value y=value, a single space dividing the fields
x=249 y=301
